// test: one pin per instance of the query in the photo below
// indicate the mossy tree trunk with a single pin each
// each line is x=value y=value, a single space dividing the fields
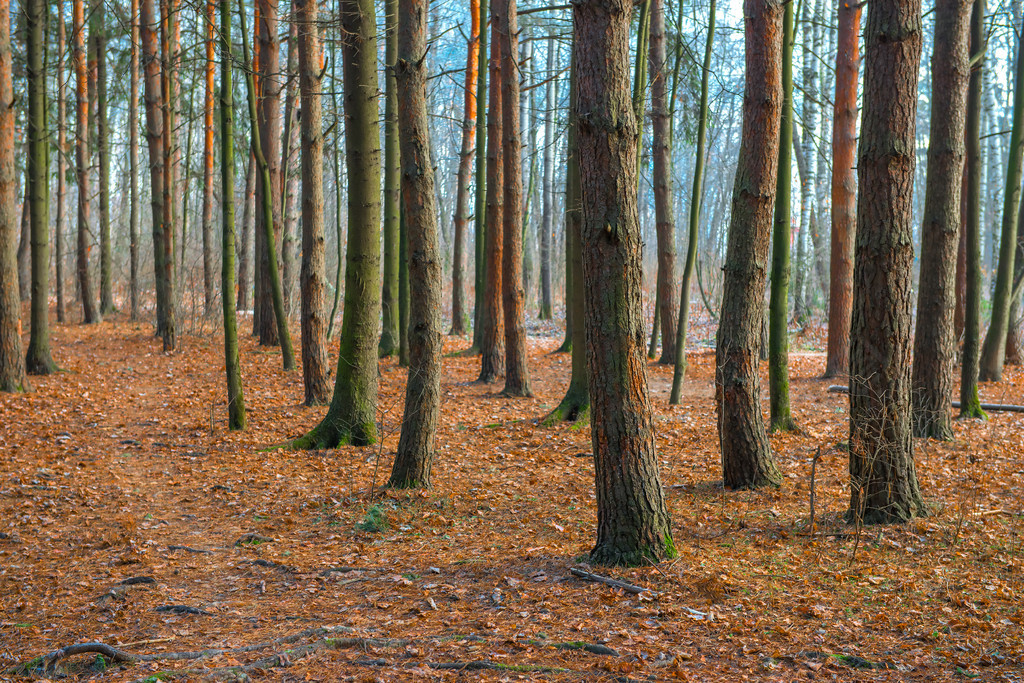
x=747 y=460
x=883 y=483
x=633 y=525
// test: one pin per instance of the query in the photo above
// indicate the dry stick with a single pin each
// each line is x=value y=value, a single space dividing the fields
x=614 y=583
x=814 y=467
x=992 y=407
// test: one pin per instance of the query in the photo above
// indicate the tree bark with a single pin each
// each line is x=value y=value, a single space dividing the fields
x=480 y=224
x=133 y=164
x=844 y=189
x=12 y=362
x=90 y=314
x=884 y=485
x=208 y=106
x=313 y=275
x=289 y=179
x=245 y=252
x=390 y=334
x=416 y=445
x=98 y=31
x=548 y=217
x=633 y=524
x=934 y=343
x=747 y=460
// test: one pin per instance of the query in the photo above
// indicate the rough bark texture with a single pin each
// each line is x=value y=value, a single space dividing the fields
x=844 y=189
x=352 y=416
x=883 y=486
x=289 y=177
x=934 y=343
x=390 y=334
x=236 y=398
x=465 y=170
x=90 y=314
x=517 y=376
x=633 y=524
x=12 y=362
x=38 y=360
x=747 y=460
x=665 y=222
x=208 y=106
x=492 y=329
x=416 y=445
x=313 y=275
x=970 y=406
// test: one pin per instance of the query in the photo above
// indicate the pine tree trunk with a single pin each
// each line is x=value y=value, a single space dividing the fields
x=480 y=199
x=90 y=314
x=993 y=351
x=747 y=459
x=97 y=29
x=62 y=148
x=245 y=282
x=416 y=445
x=883 y=485
x=665 y=222
x=934 y=342
x=133 y=165
x=289 y=179
x=352 y=416
x=208 y=105
x=517 y=376
x=844 y=190
x=313 y=276
x=492 y=331
x=465 y=170
x=12 y=362
x=390 y=333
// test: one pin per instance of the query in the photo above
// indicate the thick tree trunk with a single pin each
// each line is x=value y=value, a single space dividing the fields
x=12 y=362
x=993 y=351
x=883 y=485
x=665 y=222
x=492 y=331
x=390 y=340
x=844 y=190
x=208 y=105
x=38 y=360
x=90 y=314
x=416 y=445
x=934 y=343
x=970 y=405
x=747 y=459
x=633 y=525
x=352 y=416
x=236 y=397
x=517 y=376
x=465 y=169
x=313 y=276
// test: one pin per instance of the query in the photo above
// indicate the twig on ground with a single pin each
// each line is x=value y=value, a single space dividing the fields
x=614 y=583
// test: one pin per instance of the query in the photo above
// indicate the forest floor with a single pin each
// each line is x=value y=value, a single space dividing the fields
x=121 y=466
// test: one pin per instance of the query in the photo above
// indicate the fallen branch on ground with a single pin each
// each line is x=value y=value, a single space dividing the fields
x=989 y=407
x=614 y=583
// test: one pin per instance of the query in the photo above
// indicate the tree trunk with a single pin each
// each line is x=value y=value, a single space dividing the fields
x=90 y=314
x=883 y=482
x=993 y=351
x=492 y=330
x=665 y=222
x=416 y=445
x=62 y=144
x=517 y=376
x=480 y=224
x=289 y=180
x=98 y=31
x=313 y=276
x=844 y=190
x=465 y=169
x=12 y=362
x=633 y=525
x=747 y=460
x=778 y=307
x=133 y=165
x=934 y=342
x=970 y=406
x=25 y=242
x=352 y=416
x=245 y=282
x=208 y=293
x=696 y=195
x=548 y=217
x=390 y=334
x=236 y=397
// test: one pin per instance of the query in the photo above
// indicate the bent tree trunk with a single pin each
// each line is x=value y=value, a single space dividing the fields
x=415 y=455
x=883 y=484
x=633 y=524
x=352 y=415
x=934 y=343
x=747 y=459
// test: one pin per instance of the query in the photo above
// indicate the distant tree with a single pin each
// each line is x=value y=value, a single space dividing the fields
x=633 y=525
x=390 y=333
x=934 y=343
x=98 y=43
x=12 y=362
x=747 y=459
x=416 y=445
x=90 y=314
x=208 y=155
x=548 y=209
x=480 y=192
x=883 y=484
x=133 y=163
